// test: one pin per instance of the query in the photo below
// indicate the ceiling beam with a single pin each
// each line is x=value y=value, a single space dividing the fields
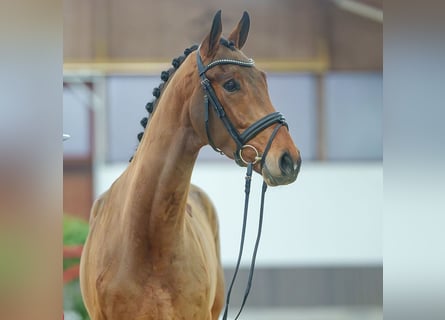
x=361 y=9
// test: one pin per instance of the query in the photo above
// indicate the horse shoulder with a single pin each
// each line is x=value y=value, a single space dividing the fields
x=209 y=215
x=206 y=205
x=96 y=208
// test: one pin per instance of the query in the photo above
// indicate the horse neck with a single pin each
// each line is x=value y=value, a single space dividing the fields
x=159 y=175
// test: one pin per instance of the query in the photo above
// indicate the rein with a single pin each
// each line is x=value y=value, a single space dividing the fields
x=243 y=230
x=241 y=141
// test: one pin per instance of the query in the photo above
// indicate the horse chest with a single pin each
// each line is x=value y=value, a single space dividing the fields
x=167 y=294
x=185 y=287
x=174 y=294
x=180 y=287
x=183 y=299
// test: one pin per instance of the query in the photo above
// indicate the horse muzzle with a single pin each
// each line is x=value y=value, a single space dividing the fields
x=281 y=171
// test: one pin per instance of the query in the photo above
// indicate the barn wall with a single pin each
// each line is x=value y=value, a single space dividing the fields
x=77 y=188
x=280 y=30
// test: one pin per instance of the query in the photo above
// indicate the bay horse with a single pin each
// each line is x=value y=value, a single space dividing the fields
x=153 y=247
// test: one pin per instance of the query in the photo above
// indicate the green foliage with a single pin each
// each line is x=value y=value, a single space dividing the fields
x=75 y=232
x=72 y=299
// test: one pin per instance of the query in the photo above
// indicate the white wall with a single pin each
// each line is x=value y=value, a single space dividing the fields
x=353 y=114
x=332 y=214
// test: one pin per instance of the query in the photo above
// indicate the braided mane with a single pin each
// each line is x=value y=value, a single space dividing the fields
x=165 y=76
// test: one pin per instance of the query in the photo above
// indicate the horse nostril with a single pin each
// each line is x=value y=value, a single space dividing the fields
x=297 y=165
x=286 y=164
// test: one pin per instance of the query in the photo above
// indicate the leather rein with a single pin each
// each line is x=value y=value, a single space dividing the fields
x=241 y=140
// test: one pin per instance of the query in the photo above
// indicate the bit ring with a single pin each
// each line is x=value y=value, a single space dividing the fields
x=257 y=156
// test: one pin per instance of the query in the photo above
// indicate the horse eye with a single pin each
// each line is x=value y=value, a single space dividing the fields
x=231 y=85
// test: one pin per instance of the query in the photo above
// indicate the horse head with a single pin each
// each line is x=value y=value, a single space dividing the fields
x=239 y=118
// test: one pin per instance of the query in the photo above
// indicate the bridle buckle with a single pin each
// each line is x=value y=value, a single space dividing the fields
x=205 y=82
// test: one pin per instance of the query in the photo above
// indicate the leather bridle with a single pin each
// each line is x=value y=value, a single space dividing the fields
x=241 y=141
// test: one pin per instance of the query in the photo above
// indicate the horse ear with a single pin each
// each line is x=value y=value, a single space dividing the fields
x=239 y=34
x=210 y=44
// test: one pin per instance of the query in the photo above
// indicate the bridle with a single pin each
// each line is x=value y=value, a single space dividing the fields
x=241 y=141
x=210 y=97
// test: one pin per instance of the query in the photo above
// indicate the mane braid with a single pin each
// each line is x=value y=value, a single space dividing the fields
x=228 y=44
x=157 y=91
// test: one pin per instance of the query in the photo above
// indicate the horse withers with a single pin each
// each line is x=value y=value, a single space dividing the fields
x=153 y=247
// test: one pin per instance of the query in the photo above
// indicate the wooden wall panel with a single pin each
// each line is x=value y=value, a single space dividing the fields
x=356 y=43
x=77 y=30
x=77 y=187
x=153 y=30
x=280 y=29
x=142 y=30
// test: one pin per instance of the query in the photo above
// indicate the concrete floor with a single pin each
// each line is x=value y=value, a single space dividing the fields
x=321 y=313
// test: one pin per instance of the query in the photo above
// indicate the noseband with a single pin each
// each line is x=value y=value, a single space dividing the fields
x=241 y=139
